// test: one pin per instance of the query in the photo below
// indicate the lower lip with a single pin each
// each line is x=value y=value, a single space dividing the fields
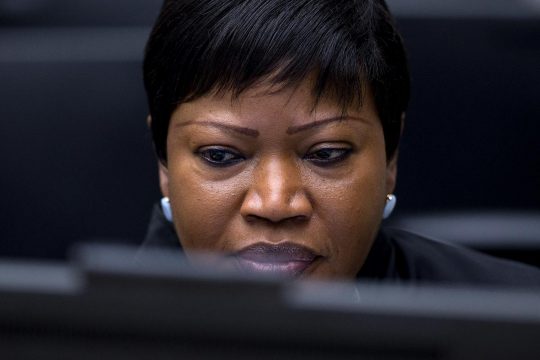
x=281 y=269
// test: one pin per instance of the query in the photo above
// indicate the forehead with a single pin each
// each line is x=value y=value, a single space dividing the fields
x=283 y=114
x=299 y=99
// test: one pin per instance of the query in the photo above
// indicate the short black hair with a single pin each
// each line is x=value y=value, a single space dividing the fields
x=200 y=46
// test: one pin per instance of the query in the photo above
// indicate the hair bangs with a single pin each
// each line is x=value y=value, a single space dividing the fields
x=281 y=43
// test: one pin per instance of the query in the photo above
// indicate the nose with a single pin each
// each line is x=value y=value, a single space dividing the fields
x=277 y=193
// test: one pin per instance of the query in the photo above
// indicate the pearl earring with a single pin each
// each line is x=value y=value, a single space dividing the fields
x=389 y=206
x=166 y=207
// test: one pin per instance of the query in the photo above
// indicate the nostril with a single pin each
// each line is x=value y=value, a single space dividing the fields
x=253 y=218
x=298 y=219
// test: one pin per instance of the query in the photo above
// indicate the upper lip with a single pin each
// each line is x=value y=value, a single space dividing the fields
x=277 y=253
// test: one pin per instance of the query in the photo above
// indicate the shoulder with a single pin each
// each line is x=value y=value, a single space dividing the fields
x=423 y=259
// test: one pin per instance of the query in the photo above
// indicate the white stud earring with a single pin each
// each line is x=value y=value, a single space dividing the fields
x=166 y=207
x=389 y=206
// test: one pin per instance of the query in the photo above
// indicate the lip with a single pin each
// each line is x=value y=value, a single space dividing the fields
x=284 y=259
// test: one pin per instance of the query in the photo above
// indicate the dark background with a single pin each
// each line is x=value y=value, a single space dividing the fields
x=76 y=157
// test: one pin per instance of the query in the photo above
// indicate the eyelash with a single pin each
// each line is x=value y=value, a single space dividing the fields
x=209 y=155
x=342 y=154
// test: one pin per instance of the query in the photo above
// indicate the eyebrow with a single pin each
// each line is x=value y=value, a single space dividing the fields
x=295 y=129
x=226 y=127
x=255 y=133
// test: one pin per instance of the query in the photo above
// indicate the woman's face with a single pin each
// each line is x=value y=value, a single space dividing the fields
x=280 y=187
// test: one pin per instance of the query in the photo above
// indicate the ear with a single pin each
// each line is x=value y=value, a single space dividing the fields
x=391 y=166
x=391 y=173
x=163 y=179
x=163 y=172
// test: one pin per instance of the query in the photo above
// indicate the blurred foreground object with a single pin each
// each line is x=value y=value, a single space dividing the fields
x=107 y=306
x=507 y=234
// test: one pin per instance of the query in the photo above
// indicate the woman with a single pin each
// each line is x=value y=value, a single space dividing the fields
x=276 y=125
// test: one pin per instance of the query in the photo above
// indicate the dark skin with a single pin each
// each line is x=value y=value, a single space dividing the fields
x=268 y=168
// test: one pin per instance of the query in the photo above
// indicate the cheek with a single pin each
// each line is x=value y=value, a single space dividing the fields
x=354 y=207
x=357 y=194
x=350 y=213
x=202 y=209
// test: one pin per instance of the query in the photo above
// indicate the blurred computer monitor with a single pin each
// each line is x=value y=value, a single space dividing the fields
x=104 y=305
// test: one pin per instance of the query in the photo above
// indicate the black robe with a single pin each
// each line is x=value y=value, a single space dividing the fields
x=401 y=256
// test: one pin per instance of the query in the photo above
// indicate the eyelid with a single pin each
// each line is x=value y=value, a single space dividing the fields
x=330 y=145
x=342 y=149
x=344 y=152
x=218 y=147
x=215 y=163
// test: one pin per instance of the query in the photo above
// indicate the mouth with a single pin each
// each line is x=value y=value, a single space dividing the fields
x=283 y=260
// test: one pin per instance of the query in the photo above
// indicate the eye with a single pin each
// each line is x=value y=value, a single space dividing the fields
x=328 y=155
x=216 y=156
